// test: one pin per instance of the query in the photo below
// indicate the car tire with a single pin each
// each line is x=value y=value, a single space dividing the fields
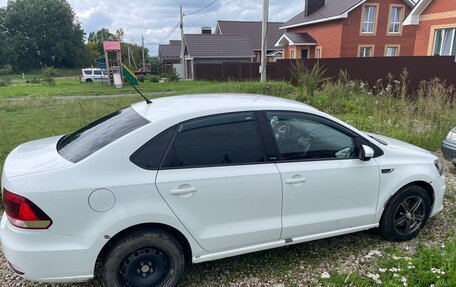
x=406 y=214
x=145 y=258
x=90 y=81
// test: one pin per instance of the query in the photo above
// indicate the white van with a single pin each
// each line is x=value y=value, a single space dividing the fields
x=91 y=75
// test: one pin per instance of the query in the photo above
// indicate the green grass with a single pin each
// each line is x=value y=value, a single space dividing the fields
x=427 y=267
x=28 y=75
x=73 y=87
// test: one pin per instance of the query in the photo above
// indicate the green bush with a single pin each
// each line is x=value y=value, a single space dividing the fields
x=153 y=78
x=5 y=82
x=172 y=76
x=140 y=78
x=6 y=69
x=49 y=75
x=308 y=79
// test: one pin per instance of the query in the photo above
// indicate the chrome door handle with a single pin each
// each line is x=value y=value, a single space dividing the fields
x=183 y=191
x=295 y=180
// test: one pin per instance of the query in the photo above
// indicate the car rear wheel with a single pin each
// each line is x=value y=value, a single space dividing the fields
x=144 y=259
x=89 y=81
x=406 y=214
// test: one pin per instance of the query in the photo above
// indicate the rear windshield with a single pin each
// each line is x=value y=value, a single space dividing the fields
x=88 y=140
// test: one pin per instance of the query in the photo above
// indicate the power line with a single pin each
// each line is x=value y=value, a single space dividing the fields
x=191 y=23
x=166 y=38
x=205 y=7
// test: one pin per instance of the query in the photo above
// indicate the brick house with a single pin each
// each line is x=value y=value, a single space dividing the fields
x=349 y=28
x=436 y=27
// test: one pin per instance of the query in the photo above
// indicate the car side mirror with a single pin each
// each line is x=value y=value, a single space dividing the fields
x=366 y=153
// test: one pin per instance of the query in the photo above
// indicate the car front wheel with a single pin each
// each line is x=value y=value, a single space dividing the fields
x=144 y=259
x=406 y=214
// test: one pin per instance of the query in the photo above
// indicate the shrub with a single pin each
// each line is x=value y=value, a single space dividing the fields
x=5 y=82
x=35 y=80
x=140 y=78
x=172 y=76
x=49 y=74
x=6 y=69
x=153 y=78
x=308 y=80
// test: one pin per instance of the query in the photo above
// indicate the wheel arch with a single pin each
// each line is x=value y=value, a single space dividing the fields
x=423 y=184
x=181 y=239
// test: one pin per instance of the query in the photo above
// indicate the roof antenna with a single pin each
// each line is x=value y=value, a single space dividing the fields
x=144 y=97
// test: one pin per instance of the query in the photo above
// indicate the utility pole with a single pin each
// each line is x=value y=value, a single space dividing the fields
x=182 y=54
x=264 y=41
x=144 y=59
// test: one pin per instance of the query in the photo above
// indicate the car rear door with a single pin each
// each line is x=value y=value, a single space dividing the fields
x=217 y=182
x=326 y=187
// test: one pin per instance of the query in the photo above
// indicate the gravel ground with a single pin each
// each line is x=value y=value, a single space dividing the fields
x=298 y=265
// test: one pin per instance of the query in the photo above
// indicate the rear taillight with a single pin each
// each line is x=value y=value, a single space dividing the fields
x=23 y=213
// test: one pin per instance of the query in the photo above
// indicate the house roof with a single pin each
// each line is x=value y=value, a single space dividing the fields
x=414 y=17
x=296 y=39
x=171 y=51
x=332 y=10
x=252 y=31
x=218 y=46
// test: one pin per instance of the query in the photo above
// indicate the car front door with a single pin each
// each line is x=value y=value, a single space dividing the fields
x=326 y=186
x=217 y=182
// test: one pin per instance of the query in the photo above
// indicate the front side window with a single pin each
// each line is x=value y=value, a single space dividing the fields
x=366 y=51
x=97 y=73
x=395 y=20
x=304 y=137
x=392 y=51
x=369 y=19
x=88 y=140
x=445 y=42
x=230 y=139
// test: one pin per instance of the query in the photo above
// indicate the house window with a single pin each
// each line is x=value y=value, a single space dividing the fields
x=292 y=54
x=366 y=51
x=445 y=42
x=392 y=50
x=318 y=52
x=369 y=24
x=395 y=20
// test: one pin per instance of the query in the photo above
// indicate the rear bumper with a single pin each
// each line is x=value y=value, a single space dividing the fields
x=449 y=150
x=47 y=257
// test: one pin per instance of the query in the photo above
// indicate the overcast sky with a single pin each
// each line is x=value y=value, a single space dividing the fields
x=157 y=18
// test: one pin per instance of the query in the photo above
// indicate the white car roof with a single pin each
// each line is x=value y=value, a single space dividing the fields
x=193 y=106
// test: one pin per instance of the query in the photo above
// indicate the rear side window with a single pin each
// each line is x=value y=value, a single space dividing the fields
x=88 y=140
x=151 y=154
x=88 y=72
x=97 y=73
x=216 y=141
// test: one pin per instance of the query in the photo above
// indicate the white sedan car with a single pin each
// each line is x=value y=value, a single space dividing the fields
x=198 y=178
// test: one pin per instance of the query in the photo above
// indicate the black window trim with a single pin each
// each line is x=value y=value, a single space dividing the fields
x=144 y=146
x=357 y=138
x=259 y=135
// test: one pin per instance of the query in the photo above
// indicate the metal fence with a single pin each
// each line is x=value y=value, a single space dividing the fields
x=369 y=70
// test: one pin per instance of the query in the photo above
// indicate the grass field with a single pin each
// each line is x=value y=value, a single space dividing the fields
x=29 y=111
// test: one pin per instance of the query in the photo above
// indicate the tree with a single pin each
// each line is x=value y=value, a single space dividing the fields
x=43 y=33
x=4 y=47
x=100 y=36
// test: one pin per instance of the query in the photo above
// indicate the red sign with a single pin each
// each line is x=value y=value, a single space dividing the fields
x=111 y=45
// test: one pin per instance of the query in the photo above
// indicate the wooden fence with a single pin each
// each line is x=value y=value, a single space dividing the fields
x=369 y=70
